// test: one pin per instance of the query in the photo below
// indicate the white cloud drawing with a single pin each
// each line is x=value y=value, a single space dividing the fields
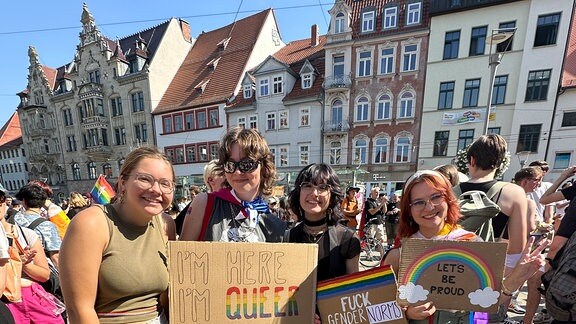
x=412 y=293
x=484 y=297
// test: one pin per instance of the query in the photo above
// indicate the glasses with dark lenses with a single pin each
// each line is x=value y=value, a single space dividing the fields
x=420 y=204
x=245 y=166
x=146 y=182
x=321 y=189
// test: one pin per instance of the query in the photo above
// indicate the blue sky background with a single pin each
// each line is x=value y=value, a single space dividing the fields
x=53 y=26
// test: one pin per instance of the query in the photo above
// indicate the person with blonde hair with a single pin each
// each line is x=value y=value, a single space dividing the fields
x=76 y=203
x=213 y=176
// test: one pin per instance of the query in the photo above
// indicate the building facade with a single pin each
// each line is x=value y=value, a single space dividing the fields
x=13 y=162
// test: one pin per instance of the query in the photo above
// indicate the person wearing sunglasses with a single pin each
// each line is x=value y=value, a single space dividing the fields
x=113 y=266
x=238 y=211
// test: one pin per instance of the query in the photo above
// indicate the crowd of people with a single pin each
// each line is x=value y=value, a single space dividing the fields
x=89 y=269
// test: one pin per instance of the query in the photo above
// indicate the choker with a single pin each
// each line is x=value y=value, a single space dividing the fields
x=315 y=223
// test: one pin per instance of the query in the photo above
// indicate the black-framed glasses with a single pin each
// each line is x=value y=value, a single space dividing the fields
x=245 y=165
x=420 y=204
x=321 y=189
x=146 y=181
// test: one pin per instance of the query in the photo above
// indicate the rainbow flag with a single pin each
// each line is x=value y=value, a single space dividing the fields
x=359 y=281
x=102 y=192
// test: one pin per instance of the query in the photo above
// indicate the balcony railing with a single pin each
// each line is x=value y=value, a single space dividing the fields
x=336 y=126
x=337 y=81
x=98 y=149
x=95 y=122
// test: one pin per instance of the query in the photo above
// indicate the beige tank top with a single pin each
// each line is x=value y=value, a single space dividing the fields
x=133 y=272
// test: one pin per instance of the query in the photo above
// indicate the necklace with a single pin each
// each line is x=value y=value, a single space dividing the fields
x=315 y=223
x=314 y=234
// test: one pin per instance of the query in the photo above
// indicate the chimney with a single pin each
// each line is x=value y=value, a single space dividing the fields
x=314 y=40
x=185 y=26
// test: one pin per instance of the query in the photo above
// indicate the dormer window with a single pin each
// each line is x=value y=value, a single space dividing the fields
x=307 y=81
x=223 y=44
x=201 y=86
x=368 y=21
x=94 y=76
x=213 y=63
x=247 y=91
x=339 y=23
x=264 y=87
x=390 y=17
x=413 y=13
x=277 y=85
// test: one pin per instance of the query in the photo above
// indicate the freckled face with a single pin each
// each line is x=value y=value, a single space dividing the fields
x=430 y=219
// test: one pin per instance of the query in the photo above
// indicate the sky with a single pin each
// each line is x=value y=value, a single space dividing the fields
x=53 y=27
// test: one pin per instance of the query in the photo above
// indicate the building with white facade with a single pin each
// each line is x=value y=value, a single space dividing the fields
x=524 y=85
x=190 y=119
x=81 y=119
x=13 y=163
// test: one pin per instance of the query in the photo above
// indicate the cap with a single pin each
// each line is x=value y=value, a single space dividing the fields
x=16 y=202
x=353 y=188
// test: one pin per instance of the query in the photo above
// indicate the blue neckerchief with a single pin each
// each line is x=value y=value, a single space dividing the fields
x=257 y=204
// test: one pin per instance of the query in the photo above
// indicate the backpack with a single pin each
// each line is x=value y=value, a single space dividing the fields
x=478 y=208
x=560 y=283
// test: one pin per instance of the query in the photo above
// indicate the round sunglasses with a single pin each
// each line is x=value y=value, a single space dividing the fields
x=246 y=165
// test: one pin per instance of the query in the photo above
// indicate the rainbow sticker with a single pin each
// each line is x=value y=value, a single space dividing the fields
x=366 y=280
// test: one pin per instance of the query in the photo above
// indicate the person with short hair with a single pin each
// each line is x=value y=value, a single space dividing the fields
x=374 y=209
x=545 y=212
x=351 y=207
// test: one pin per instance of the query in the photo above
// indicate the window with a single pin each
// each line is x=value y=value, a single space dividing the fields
x=338 y=67
x=387 y=61
x=506 y=45
x=201 y=119
x=179 y=155
x=247 y=91
x=402 y=150
x=283 y=156
x=304 y=117
x=167 y=123
x=277 y=85
x=364 y=64
x=465 y=138
x=214 y=151
x=264 y=90
x=413 y=13
x=76 y=172
x=409 y=58
x=283 y=119
x=368 y=21
x=304 y=154
x=107 y=170
x=137 y=101
x=384 y=107
x=169 y=152
x=451 y=44
x=562 y=160
x=241 y=122
x=441 y=143
x=337 y=113
x=120 y=136
x=141 y=132
x=203 y=152
x=189 y=122
x=94 y=76
x=253 y=122
x=362 y=107
x=537 y=88
x=335 y=152
x=478 y=41
x=213 y=114
x=529 y=138
x=71 y=142
x=306 y=80
x=499 y=90
x=67 y=113
x=494 y=130
x=270 y=121
x=191 y=154
x=390 y=17
x=569 y=119
x=339 y=23
x=360 y=147
x=380 y=150
x=471 y=91
x=446 y=95
x=547 y=29
x=178 y=126
x=406 y=105
x=91 y=170
x=116 y=105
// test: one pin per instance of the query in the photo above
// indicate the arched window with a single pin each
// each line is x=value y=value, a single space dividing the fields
x=402 y=150
x=380 y=150
x=335 y=152
x=384 y=106
x=337 y=113
x=339 y=23
x=91 y=170
x=360 y=147
x=406 y=109
x=76 y=172
x=362 y=108
x=107 y=169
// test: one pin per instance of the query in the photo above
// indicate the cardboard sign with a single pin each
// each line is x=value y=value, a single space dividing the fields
x=454 y=275
x=362 y=297
x=214 y=282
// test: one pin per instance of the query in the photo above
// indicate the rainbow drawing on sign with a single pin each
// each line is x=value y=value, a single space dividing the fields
x=364 y=280
x=453 y=254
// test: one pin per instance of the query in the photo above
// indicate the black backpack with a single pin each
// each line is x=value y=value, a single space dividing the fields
x=560 y=283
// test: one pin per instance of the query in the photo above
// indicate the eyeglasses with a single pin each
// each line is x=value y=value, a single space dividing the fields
x=420 y=204
x=321 y=189
x=146 y=182
x=536 y=179
x=245 y=166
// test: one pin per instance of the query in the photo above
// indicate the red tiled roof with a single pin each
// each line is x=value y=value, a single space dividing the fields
x=569 y=71
x=50 y=75
x=297 y=92
x=11 y=130
x=223 y=80
x=299 y=50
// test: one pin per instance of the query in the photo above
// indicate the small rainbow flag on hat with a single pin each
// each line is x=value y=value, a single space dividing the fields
x=102 y=192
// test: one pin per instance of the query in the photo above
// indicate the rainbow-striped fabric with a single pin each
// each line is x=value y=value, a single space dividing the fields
x=102 y=192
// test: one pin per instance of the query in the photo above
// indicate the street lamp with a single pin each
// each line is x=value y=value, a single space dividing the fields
x=498 y=36
x=523 y=157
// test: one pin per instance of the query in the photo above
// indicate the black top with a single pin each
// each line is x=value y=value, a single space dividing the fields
x=568 y=223
x=501 y=220
x=378 y=216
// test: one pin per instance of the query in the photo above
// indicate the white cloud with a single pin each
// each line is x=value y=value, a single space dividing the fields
x=413 y=293
x=484 y=297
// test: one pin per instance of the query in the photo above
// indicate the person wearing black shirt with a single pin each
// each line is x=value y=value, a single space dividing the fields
x=392 y=215
x=375 y=208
